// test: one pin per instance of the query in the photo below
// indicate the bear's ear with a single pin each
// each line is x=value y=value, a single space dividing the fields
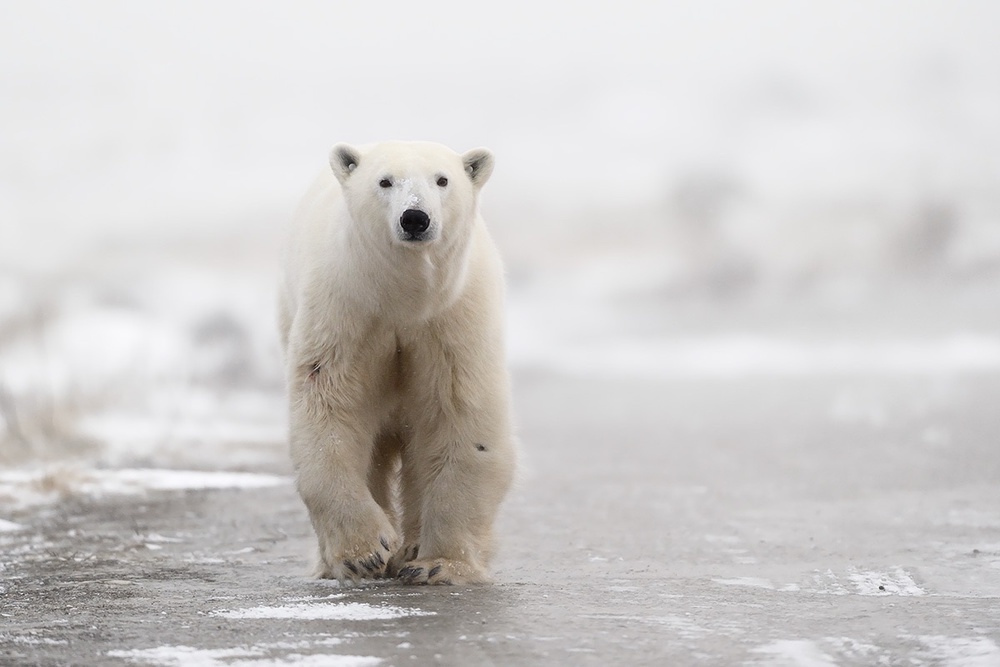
x=344 y=160
x=478 y=165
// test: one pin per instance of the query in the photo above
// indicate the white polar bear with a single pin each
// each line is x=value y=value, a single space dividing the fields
x=391 y=318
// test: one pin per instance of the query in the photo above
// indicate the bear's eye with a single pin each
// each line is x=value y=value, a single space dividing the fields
x=442 y=181
x=385 y=183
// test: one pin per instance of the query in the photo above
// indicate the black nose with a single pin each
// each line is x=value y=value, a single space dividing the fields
x=414 y=221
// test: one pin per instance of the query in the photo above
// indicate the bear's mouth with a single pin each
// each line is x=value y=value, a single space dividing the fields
x=417 y=237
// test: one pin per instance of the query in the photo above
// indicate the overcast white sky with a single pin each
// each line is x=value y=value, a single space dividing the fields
x=116 y=109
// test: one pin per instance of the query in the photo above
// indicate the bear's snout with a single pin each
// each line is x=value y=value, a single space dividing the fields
x=414 y=222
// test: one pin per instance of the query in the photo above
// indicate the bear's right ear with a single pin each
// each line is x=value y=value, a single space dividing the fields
x=343 y=160
x=478 y=165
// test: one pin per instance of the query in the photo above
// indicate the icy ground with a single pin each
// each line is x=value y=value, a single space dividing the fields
x=820 y=520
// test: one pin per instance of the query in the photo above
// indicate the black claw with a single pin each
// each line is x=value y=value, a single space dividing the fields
x=416 y=550
x=379 y=561
x=350 y=566
x=434 y=570
x=385 y=543
x=410 y=573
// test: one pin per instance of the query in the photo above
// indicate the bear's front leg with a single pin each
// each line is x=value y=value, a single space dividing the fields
x=332 y=451
x=355 y=536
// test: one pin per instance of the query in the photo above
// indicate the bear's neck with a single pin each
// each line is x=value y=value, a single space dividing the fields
x=409 y=285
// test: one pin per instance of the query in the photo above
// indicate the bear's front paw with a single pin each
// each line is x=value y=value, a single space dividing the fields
x=362 y=562
x=401 y=558
x=355 y=550
x=441 y=571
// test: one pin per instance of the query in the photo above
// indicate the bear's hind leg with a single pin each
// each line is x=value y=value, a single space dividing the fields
x=383 y=474
x=411 y=495
x=465 y=483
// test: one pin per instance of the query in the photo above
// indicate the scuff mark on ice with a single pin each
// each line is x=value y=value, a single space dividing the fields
x=683 y=627
x=753 y=582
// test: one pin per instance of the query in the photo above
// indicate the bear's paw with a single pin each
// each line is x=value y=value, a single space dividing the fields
x=441 y=571
x=361 y=562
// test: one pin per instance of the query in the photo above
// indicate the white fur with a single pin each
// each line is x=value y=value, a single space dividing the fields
x=396 y=372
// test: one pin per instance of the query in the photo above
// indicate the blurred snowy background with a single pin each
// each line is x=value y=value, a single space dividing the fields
x=684 y=188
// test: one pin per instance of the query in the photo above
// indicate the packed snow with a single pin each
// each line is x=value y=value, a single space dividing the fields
x=253 y=656
x=339 y=611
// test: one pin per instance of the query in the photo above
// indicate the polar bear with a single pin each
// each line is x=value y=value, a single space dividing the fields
x=391 y=319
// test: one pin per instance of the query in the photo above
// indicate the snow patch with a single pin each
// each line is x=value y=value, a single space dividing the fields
x=795 y=653
x=826 y=583
x=896 y=582
x=35 y=641
x=341 y=611
x=9 y=526
x=856 y=652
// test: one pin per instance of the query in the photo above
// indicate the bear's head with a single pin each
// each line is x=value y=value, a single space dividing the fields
x=412 y=193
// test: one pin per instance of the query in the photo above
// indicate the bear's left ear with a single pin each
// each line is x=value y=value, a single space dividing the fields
x=344 y=160
x=478 y=165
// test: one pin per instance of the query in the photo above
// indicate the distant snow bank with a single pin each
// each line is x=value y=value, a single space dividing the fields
x=734 y=355
x=31 y=487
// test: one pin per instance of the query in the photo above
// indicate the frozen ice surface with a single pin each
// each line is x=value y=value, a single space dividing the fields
x=657 y=521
